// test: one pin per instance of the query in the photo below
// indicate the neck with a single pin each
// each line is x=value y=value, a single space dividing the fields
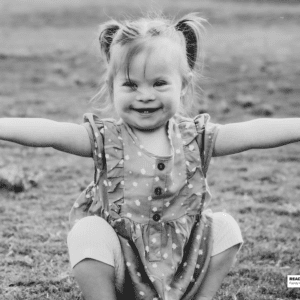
x=155 y=141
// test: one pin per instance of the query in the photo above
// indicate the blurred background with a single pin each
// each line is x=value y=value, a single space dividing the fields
x=243 y=36
x=50 y=67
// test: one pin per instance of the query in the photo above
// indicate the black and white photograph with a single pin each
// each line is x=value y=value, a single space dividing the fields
x=149 y=150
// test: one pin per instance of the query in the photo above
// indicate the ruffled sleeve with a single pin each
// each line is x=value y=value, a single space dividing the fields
x=93 y=200
x=207 y=134
x=107 y=147
x=95 y=129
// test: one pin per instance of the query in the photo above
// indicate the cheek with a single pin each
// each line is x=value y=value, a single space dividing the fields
x=121 y=105
x=116 y=103
x=172 y=107
x=176 y=100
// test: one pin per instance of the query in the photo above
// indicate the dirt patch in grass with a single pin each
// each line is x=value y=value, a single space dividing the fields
x=49 y=68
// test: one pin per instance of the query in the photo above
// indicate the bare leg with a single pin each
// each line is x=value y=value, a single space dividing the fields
x=218 y=268
x=95 y=279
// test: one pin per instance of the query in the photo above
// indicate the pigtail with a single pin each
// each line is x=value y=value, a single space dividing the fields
x=192 y=29
x=107 y=34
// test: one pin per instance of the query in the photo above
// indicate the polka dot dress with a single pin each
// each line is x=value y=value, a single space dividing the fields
x=154 y=203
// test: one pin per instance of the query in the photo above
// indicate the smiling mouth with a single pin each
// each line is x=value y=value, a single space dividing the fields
x=146 y=111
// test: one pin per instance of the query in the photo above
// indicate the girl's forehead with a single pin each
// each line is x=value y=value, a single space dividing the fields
x=158 y=58
x=160 y=55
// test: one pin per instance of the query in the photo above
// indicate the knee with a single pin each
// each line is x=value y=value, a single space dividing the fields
x=90 y=237
x=223 y=219
x=90 y=222
x=225 y=225
x=91 y=227
x=226 y=233
x=94 y=248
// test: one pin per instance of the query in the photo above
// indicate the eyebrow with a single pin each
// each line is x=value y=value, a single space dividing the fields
x=156 y=78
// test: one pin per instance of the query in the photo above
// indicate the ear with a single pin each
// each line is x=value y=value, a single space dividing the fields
x=186 y=84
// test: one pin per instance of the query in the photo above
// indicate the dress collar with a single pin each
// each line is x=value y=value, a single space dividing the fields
x=170 y=132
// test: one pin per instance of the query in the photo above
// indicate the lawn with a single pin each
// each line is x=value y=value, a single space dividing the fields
x=50 y=68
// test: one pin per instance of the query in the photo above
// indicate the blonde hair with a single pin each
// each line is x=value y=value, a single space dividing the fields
x=137 y=35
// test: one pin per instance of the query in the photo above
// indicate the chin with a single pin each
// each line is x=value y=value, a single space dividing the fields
x=145 y=128
x=150 y=127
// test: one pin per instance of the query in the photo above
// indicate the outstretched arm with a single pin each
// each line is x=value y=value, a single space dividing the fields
x=35 y=132
x=256 y=134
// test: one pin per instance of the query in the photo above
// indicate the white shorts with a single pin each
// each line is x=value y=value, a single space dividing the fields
x=92 y=237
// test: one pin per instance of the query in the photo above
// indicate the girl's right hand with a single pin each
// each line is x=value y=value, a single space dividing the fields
x=36 y=132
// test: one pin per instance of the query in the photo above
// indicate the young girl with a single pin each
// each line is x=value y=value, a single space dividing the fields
x=141 y=230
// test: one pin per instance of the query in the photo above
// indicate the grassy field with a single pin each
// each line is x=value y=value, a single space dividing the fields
x=50 y=68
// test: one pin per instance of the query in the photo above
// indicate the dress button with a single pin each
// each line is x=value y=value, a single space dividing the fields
x=156 y=217
x=161 y=166
x=158 y=191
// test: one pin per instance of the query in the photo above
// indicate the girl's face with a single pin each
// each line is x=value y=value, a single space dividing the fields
x=151 y=95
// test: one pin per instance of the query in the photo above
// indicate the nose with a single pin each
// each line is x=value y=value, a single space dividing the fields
x=145 y=95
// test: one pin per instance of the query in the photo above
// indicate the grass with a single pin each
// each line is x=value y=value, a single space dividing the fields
x=48 y=62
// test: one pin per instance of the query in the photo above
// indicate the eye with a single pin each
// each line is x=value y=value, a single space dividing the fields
x=160 y=83
x=130 y=84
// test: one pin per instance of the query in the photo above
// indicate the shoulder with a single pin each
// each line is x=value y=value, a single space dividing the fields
x=102 y=124
x=199 y=121
x=202 y=119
